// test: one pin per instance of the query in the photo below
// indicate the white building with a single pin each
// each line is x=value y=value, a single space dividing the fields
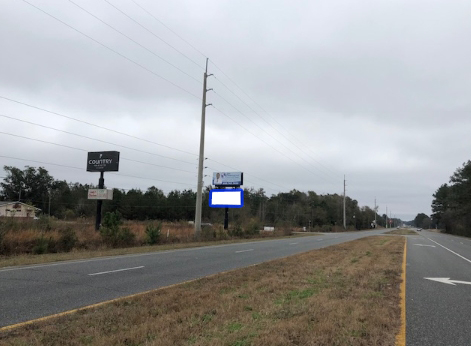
x=17 y=209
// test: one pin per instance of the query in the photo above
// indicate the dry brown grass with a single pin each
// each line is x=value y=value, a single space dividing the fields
x=402 y=231
x=20 y=239
x=342 y=295
x=27 y=259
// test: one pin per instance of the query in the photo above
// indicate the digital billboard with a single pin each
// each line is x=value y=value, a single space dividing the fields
x=226 y=198
x=229 y=179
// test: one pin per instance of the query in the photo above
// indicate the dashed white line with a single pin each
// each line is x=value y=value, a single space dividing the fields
x=115 y=271
x=293 y=243
x=240 y=251
x=457 y=254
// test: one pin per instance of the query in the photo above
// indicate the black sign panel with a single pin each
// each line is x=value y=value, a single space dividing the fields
x=103 y=161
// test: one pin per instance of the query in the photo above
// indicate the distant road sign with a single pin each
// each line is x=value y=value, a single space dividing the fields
x=100 y=194
x=103 y=161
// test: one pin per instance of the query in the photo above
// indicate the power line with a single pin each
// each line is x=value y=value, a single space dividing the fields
x=253 y=110
x=289 y=158
x=114 y=51
x=158 y=20
x=96 y=139
x=265 y=131
x=95 y=125
x=152 y=33
x=140 y=45
x=81 y=168
x=255 y=102
x=235 y=169
x=85 y=150
x=204 y=55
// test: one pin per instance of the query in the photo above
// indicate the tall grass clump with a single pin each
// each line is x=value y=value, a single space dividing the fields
x=153 y=233
x=113 y=234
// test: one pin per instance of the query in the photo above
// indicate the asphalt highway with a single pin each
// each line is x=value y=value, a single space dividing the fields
x=438 y=290
x=35 y=291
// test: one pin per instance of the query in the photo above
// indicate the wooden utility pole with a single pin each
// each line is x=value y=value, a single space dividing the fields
x=344 y=204
x=199 y=191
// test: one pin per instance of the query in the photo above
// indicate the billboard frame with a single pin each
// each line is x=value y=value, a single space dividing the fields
x=233 y=184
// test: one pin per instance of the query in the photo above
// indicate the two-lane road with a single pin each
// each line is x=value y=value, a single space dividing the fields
x=438 y=290
x=31 y=292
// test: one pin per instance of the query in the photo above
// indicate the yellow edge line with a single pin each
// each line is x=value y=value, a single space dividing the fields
x=88 y=307
x=401 y=336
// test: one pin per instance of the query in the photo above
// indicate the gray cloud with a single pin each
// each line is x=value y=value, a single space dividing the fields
x=378 y=91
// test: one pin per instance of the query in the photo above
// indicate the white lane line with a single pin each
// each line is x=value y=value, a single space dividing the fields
x=115 y=271
x=320 y=239
x=424 y=245
x=293 y=243
x=244 y=251
x=461 y=243
x=457 y=254
x=117 y=257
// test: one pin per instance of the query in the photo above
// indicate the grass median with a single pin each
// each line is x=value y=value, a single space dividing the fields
x=402 y=232
x=346 y=294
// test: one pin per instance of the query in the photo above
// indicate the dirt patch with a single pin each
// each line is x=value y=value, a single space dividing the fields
x=346 y=294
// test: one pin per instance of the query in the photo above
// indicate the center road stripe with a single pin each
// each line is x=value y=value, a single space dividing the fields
x=115 y=271
x=244 y=251
x=457 y=254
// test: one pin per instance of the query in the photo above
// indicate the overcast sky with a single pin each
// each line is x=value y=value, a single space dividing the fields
x=304 y=92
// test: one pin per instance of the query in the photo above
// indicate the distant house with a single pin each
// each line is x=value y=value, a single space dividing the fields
x=17 y=209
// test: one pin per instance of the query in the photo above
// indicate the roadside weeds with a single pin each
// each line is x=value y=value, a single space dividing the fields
x=346 y=294
x=28 y=259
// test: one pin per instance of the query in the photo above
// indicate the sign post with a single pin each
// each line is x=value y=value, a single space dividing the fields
x=222 y=198
x=102 y=161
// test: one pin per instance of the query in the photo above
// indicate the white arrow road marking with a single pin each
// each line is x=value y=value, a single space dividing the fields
x=448 y=281
x=425 y=245
x=244 y=251
x=115 y=271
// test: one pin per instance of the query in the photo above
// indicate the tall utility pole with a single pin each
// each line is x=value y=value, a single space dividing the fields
x=375 y=211
x=49 y=202
x=386 y=217
x=199 y=191
x=344 y=205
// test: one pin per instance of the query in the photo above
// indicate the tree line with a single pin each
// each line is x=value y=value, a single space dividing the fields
x=451 y=203
x=65 y=200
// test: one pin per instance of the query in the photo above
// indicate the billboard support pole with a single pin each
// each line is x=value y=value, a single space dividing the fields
x=101 y=185
x=226 y=218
